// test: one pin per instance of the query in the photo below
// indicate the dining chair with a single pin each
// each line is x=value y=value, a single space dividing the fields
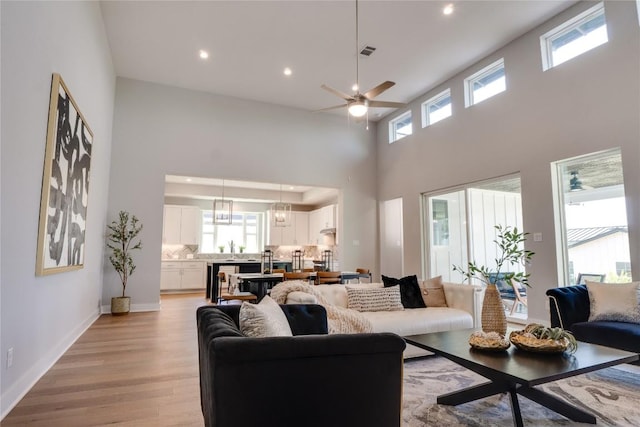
x=328 y=277
x=305 y=275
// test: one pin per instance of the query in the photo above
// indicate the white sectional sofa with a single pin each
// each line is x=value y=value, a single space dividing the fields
x=464 y=305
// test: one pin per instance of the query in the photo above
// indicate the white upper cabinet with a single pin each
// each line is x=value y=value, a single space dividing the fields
x=321 y=219
x=181 y=225
x=302 y=228
x=295 y=234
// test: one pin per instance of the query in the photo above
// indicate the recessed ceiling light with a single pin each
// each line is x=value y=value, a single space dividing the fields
x=448 y=9
x=354 y=87
x=189 y=180
x=291 y=187
x=287 y=71
x=203 y=54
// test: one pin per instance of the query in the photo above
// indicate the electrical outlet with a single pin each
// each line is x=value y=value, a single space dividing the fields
x=9 y=357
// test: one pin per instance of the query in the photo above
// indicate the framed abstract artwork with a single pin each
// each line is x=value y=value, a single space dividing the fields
x=65 y=185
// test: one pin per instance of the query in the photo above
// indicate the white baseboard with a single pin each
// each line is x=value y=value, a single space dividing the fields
x=10 y=397
x=106 y=309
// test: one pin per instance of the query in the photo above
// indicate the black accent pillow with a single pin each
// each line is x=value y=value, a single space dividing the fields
x=410 y=294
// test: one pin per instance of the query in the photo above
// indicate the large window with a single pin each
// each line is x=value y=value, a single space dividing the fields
x=486 y=83
x=574 y=37
x=400 y=127
x=245 y=230
x=436 y=108
x=591 y=219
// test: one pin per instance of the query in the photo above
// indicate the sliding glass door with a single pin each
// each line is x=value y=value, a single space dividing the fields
x=459 y=225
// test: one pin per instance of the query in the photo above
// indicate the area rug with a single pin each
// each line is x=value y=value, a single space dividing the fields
x=610 y=394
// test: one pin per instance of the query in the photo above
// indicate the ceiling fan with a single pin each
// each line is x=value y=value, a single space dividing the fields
x=358 y=104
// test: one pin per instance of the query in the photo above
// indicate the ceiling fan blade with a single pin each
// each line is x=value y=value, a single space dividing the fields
x=338 y=93
x=372 y=93
x=335 y=107
x=386 y=104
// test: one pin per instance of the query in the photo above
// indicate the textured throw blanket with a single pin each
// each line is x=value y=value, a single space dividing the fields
x=339 y=319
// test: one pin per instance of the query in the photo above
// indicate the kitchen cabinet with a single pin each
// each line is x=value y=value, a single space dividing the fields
x=177 y=275
x=181 y=225
x=296 y=234
x=321 y=219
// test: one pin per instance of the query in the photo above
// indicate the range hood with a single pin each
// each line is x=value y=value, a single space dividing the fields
x=328 y=231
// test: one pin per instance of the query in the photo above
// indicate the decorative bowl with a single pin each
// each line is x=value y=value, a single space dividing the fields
x=526 y=341
x=488 y=341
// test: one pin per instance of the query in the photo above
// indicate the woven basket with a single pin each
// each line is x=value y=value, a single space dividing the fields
x=493 y=318
x=523 y=341
x=120 y=306
x=488 y=341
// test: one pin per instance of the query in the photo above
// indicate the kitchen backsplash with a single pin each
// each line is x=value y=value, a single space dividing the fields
x=279 y=252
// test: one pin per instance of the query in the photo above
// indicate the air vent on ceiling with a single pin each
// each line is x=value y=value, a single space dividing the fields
x=367 y=51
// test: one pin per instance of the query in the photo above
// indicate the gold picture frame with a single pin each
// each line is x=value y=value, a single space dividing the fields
x=65 y=185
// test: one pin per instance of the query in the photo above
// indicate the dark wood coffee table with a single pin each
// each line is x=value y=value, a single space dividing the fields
x=517 y=372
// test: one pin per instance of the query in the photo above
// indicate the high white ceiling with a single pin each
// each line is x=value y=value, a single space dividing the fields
x=251 y=42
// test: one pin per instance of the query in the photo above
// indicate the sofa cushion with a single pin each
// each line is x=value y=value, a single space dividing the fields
x=374 y=299
x=419 y=320
x=409 y=290
x=433 y=292
x=264 y=320
x=625 y=336
x=614 y=302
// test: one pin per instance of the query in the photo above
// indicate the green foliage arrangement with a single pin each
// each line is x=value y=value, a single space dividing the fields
x=120 y=239
x=510 y=242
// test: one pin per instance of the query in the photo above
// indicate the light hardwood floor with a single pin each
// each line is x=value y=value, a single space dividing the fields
x=135 y=370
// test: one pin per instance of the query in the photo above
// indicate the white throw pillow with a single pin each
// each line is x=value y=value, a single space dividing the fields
x=616 y=302
x=374 y=299
x=263 y=320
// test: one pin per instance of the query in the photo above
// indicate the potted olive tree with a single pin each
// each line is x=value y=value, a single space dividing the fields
x=120 y=239
x=511 y=252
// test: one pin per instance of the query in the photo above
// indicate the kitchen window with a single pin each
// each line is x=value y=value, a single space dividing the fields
x=484 y=84
x=245 y=230
x=400 y=127
x=575 y=37
x=436 y=108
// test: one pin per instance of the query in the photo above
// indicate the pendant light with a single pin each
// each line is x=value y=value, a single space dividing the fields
x=222 y=209
x=281 y=212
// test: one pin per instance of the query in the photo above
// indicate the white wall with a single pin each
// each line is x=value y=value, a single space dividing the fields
x=42 y=316
x=391 y=236
x=161 y=130
x=588 y=104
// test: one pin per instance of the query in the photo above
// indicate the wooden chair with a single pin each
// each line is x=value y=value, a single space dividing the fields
x=364 y=273
x=308 y=270
x=516 y=293
x=305 y=275
x=328 y=277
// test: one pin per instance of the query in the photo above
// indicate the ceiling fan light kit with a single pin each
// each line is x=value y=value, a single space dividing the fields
x=358 y=108
x=358 y=104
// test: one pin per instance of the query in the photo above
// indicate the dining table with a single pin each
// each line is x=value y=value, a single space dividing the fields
x=262 y=282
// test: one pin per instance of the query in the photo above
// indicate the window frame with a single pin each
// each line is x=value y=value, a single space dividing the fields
x=214 y=234
x=483 y=72
x=434 y=100
x=547 y=39
x=393 y=133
